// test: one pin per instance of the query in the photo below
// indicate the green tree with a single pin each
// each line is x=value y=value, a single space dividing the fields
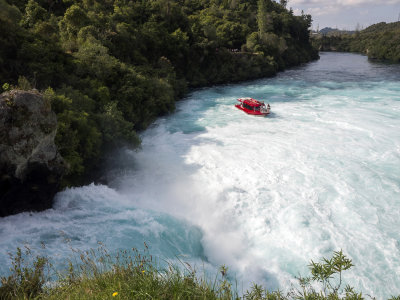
x=264 y=20
x=114 y=66
x=34 y=13
x=73 y=20
x=115 y=129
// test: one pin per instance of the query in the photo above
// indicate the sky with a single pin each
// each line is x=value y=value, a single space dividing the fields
x=347 y=14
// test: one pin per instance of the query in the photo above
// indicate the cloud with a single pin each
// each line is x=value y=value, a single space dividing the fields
x=347 y=13
x=328 y=7
x=343 y=3
x=319 y=11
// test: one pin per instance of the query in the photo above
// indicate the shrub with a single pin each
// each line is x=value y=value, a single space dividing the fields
x=27 y=277
x=24 y=84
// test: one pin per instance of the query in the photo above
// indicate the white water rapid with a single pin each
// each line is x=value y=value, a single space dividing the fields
x=263 y=196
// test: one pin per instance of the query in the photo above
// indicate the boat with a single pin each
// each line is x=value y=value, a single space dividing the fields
x=253 y=107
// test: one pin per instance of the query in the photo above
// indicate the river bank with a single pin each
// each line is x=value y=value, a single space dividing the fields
x=378 y=42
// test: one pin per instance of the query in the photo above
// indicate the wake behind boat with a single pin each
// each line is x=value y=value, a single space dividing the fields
x=253 y=107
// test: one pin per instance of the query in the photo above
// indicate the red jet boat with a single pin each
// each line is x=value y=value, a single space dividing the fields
x=253 y=107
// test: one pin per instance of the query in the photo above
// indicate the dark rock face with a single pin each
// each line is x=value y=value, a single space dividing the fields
x=30 y=166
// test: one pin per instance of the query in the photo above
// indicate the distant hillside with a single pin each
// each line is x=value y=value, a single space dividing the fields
x=378 y=41
x=382 y=27
x=326 y=30
x=333 y=31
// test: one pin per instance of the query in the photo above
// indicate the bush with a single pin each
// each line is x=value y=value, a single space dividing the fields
x=6 y=87
x=24 y=84
x=27 y=278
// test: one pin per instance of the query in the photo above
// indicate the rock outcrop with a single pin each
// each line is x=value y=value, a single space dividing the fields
x=30 y=165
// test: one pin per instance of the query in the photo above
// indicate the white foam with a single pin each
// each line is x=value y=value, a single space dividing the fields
x=271 y=194
x=263 y=196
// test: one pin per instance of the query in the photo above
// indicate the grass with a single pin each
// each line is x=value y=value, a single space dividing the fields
x=95 y=274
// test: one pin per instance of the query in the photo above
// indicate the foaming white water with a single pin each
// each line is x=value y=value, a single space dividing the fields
x=84 y=217
x=262 y=195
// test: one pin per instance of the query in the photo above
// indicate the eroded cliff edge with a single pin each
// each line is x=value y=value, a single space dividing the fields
x=30 y=165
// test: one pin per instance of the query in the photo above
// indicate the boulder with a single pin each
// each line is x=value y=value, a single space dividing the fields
x=31 y=168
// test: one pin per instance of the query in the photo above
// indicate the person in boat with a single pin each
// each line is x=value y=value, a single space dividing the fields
x=268 y=108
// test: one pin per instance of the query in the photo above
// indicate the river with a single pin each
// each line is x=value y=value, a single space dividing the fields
x=264 y=196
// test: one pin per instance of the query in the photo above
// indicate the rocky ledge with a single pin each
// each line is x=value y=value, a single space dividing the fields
x=30 y=165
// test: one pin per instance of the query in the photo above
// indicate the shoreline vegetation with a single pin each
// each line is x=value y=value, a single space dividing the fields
x=110 y=68
x=134 y=274
x=379 y=41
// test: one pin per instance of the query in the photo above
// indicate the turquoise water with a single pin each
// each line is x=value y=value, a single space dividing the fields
x=263 y=196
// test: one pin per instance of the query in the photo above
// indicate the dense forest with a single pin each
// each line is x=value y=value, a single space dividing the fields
x=110 y=67
x=379 y=41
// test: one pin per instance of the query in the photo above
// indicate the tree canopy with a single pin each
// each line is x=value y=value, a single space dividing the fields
x=379 y=41
x=110 y=67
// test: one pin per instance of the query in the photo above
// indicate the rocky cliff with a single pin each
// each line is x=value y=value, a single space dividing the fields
x=30 y=165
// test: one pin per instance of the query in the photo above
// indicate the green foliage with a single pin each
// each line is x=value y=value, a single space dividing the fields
x=380 y=41
x=264 y=19
x=328 y=272
x=6 y=87
x=27 y=277
x=114 y=66
x=96 y=274
x=24 y=84
x=323 y=272
x=134 y=274
x=74 y=18
x=115 y=129
x=78 y=139
x=34 y=13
